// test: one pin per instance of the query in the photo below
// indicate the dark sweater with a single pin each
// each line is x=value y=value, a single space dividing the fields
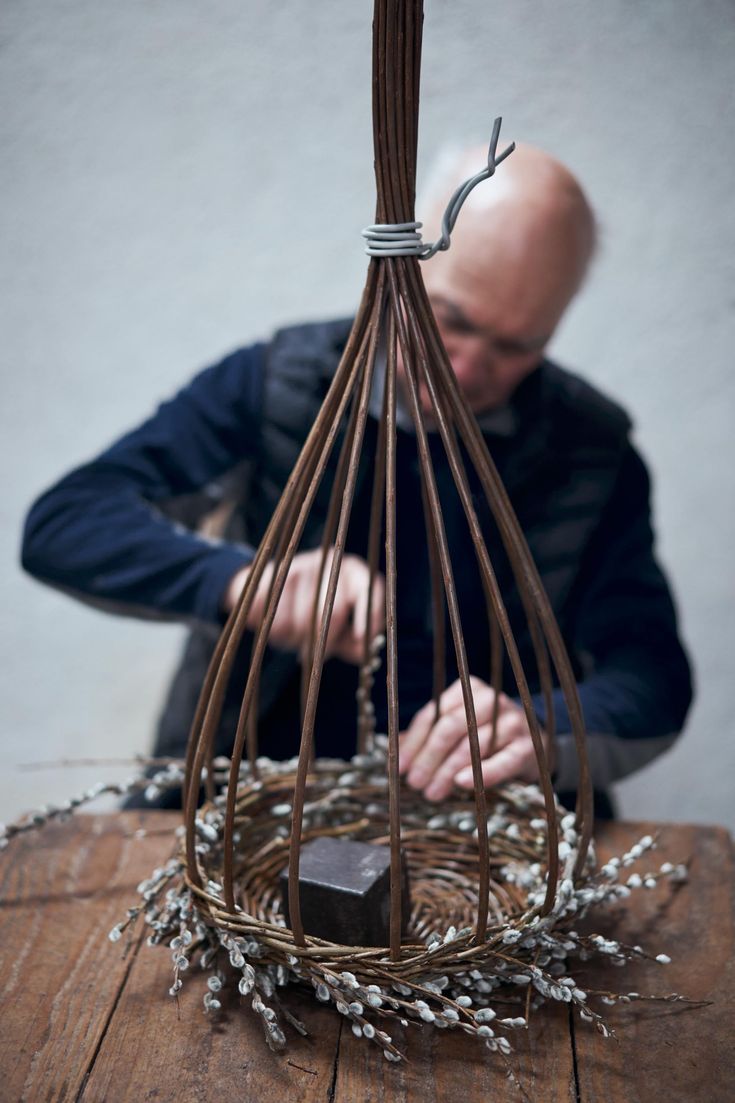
x=105 y=533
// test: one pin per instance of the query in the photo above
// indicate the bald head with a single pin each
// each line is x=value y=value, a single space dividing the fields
x=533 y=201
x=519 y=252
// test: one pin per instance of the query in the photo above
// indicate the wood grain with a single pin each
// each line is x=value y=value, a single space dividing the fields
x=154 y=1051
x=669 y=1051
x=457 y=1069
x=82 y=1022
x=61 y=891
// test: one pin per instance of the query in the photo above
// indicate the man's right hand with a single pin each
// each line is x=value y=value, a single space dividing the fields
x=292 y=623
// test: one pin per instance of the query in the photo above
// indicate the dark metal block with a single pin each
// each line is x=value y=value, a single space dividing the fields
x=344 y=888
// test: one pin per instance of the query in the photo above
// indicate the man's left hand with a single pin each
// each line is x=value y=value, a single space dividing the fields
x=435 y=756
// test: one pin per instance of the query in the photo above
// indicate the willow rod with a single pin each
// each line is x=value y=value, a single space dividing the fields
x=307 y=732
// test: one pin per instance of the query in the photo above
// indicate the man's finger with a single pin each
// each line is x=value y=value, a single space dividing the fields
x=444 y=779
x=442 y=783
x=516 y=760
x=483 y=698
x=453 y=697
x=439 y=744
x=359 y=583
x=359 y=592
x=377 y=621
x=349 y=610
x=301 y=597
x=415 y=735
x=417 y=732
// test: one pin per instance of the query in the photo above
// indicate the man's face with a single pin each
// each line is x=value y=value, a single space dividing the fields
x=498 y=294
x=489 y=359
x=501 y=289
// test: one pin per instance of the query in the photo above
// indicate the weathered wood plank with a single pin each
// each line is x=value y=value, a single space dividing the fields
x=455 y=1068
x=664 y=1051
x=61 y=890
x=160 y=1049
x=154 y=1050
x=78 y=1018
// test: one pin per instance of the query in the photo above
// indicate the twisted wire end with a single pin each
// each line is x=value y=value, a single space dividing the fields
x=403 y=239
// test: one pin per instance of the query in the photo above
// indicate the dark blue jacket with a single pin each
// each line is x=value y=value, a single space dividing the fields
x=118 y=532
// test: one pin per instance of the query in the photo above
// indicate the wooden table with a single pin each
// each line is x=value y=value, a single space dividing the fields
x=82 y=1022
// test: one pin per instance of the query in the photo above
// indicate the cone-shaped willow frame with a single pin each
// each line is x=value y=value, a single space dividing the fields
x=395 y=317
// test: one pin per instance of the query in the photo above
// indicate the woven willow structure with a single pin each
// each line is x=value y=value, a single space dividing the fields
x=395 y=320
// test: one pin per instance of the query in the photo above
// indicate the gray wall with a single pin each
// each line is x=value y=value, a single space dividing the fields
x=178 y=178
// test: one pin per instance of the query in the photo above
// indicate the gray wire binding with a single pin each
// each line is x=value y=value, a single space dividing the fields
x=402 y=239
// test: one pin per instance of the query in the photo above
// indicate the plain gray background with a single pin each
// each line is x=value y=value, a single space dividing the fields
x=178 y=178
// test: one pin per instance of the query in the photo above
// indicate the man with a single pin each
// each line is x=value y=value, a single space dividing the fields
x=519 y=253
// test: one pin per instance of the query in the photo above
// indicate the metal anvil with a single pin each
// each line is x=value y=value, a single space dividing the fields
x=344 y=888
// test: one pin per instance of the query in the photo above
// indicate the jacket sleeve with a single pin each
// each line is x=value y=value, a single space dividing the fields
x=101 y=533
x=637 y=686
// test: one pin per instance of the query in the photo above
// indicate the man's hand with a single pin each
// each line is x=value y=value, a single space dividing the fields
x=292 y=623
x=436 y=756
